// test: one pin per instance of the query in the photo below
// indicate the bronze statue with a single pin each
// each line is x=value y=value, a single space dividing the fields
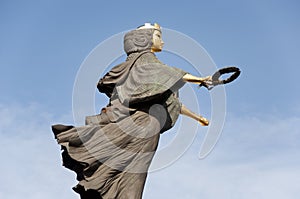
x=111 y=154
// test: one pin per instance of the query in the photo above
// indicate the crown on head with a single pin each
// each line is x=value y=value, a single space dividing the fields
x=150 y=26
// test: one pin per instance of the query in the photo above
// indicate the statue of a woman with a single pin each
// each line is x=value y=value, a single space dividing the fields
x=111 y=154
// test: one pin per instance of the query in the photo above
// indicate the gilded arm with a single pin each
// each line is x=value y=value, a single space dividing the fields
x=202 y=120
x=196 y=80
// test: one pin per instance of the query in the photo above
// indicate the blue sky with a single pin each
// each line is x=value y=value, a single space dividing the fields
x=43 y=44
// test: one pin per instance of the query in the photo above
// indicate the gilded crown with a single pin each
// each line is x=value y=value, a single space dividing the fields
x=150 y=26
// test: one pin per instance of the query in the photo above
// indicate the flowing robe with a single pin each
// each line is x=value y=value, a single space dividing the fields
x=111 y=154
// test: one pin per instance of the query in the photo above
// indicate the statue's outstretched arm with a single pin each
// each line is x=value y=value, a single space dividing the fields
x=197 y=80
x=185 y=111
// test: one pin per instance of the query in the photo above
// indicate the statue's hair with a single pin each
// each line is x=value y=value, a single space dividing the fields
x=138 y=40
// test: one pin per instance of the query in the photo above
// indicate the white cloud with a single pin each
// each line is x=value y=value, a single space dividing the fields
x=256 y=157
x=31 y=164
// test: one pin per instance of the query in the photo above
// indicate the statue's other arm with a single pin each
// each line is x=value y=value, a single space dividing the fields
x=185 y=111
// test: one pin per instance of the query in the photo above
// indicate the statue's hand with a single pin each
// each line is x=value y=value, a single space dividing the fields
x=203 y=121
x=207 y=82
x=207 y=78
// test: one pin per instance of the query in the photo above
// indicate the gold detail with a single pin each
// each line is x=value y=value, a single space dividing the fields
x=155 y=26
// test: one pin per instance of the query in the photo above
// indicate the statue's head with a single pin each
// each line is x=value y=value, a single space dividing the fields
x=144 y=38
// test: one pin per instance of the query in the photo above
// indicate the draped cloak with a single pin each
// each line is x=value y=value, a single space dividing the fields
x=111 y=154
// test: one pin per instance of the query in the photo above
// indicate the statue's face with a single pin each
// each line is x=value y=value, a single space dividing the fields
x=157 y=41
